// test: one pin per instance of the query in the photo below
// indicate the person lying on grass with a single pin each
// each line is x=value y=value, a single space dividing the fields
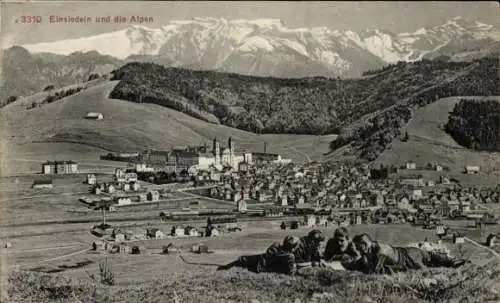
x=283 y=258
x=380 y=258
x=341 y=249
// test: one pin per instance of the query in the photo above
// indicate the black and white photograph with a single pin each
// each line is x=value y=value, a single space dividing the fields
x=249 y=151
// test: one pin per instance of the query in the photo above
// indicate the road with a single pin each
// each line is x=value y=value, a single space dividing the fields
x=44 y=196
x=50 y=259
x=482 y=246
x=299 y=152
x=42 y=249
x=196 y=188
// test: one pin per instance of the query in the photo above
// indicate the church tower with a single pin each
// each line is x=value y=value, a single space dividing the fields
x=230 y=145
x=216 y=151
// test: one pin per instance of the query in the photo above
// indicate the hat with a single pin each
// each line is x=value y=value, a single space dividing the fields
x=316 y=235
x=291 y=241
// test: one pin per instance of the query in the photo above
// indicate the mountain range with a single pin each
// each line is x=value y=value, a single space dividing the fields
x=262 y=47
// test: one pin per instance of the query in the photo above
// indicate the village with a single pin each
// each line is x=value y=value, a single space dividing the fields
x=212 y=192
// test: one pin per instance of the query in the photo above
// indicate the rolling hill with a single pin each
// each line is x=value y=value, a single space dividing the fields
x=428 y=142
x=127 y=126
x=25 y=73
x=314 y=105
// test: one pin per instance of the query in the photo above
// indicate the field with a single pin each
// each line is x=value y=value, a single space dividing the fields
x=429 y=143
x=154 y=277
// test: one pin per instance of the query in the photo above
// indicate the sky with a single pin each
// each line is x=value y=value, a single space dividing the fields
x=393 y=16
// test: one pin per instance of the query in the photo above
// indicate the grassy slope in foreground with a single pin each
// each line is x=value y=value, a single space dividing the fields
x=429 y=143
x=128 y=126
x=468 y=284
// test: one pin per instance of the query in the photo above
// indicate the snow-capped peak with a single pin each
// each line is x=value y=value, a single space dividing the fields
x=217 y=42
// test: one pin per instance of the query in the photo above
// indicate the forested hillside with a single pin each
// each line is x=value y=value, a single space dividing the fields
x=271 y=105
x=371 y=136
x=476 y=124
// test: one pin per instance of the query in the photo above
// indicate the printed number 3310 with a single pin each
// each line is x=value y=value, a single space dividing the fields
x=30 y=19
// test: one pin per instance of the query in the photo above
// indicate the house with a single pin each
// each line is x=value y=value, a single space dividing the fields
x=59 y=167
x=94 y=116
x=283 y=201
x=242 y=206
x=465 y=206
x=153 y=195
x=123 y=201
x=119 y=237
x=260 y=196
x=404 y=203
x=310 y=220
x=125 y=249
x=177 y=231
x=470 y=169
x=191 y=231
x=358 y=220
x=135 y=186
x=412 y=180
x=110 y=188
x=411 y=165
x=458 y=239
x=40 y=184
x=236 y=197
x=99 y=245
x=321 y=221
x=444 y=180
x=91 y=179
x=243 y=167
x=124 y=177
x=212 y=231
x=126 y=187
x=438 y=167
x=154 y=233
x=417 y=194
x=491 y=240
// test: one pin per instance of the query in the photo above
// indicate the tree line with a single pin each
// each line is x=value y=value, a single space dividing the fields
x=475 y=124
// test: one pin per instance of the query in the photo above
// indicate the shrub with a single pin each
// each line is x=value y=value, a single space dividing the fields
x=93 y=77
x=105 y=273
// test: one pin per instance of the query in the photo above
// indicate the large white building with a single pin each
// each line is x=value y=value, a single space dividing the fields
x=198 y=157
x=59 y=167
x=223 y=156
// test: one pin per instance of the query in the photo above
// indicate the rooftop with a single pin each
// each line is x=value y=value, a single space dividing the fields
x=59 y=162
x=42 y=182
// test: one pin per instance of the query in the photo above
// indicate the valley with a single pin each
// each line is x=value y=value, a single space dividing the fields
x=134 y=163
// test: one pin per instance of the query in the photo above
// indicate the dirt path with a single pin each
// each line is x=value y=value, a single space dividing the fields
x=299 y=152
x=50 y=259
x=482 y=246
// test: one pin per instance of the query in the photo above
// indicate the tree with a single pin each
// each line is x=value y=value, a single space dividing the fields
x=104 y=205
